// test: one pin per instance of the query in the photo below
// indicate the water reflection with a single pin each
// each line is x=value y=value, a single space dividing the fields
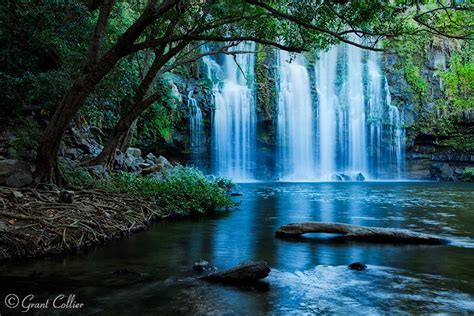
x=308 y=276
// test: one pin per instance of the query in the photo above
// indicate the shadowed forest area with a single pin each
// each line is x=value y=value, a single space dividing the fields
x=213 y=125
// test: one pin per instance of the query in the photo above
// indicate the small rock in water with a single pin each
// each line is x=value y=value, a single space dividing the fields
x=358 y=266
x=360 y=177
x=235 y=194
x=66 y=196
x=202 y=265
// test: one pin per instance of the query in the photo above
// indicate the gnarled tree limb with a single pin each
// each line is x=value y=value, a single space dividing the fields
x=363 y=233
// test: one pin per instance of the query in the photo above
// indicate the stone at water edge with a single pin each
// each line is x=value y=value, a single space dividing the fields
x=202 y=266
x=66 y=196
x=358 y=266
x=345 y=177
x=360 y=177
x=245 y=273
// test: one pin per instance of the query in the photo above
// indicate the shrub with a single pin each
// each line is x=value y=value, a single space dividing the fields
x=468 y=174
x=182 y=191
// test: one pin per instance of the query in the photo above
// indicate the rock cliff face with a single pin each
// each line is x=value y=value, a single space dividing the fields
x=440 y=143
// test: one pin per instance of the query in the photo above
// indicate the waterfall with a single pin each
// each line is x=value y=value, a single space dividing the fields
x=295 y=120
x=234 y=117
x=196 y=128
x=342 y=130
x=375 y=112
x=356 y=104
x=351 y=109
x=396 y=134
x=326 y=89
x=346 y=128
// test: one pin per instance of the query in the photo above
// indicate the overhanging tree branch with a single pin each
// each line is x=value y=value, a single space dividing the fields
x=215 y=38
x=306 y=25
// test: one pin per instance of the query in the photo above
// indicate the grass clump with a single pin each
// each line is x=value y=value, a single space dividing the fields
x=182 y=190
x=468 y=174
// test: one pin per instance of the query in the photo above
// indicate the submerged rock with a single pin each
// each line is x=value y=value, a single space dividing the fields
x=358 y=266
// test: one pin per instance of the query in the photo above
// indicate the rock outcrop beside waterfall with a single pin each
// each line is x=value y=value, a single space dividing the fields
x=440 y=145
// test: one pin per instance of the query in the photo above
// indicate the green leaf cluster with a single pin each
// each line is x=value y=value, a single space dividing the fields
x=182 y=191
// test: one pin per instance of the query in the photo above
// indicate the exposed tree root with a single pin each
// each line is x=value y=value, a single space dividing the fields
x=37 y=224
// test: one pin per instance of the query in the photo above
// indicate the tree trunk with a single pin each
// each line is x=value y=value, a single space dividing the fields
x=119 y=131
x=363 y=233
x=126 y=140
x=47 y=160
x=47 y=169
x=140 y=104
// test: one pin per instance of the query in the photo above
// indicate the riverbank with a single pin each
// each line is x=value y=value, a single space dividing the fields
x=36 y=223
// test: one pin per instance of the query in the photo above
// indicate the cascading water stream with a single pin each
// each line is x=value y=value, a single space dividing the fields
x=375 y=112
x=356 y=104
x=328 y=103
x=295 y=120
x=396 y=133
x=350 y=92
x=196 y=128
x=234 y=117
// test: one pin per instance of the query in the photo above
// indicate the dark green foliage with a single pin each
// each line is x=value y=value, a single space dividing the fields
x=468 y=174
x=182 y=191
x=459 y=78
x=41 y=47
x=159 y=119
x=25 y=141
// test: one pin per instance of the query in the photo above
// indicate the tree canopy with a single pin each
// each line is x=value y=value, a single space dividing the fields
x=62 y=57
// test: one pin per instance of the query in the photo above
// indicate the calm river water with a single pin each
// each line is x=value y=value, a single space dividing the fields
x=308 y=276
